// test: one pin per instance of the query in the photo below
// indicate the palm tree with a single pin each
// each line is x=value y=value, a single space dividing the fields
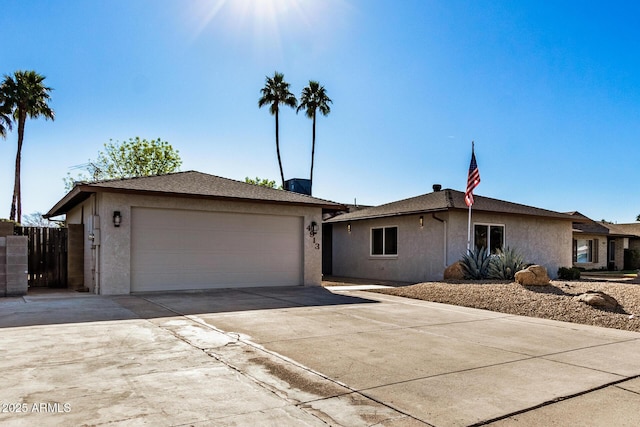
x=26 y=96
x=276 y=92
x=314 y=97
x=5 y=118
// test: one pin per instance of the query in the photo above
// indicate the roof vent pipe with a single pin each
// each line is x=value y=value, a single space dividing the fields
x=437 y=187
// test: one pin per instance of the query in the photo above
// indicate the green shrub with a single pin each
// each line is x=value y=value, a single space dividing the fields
x=505 y=263
x=565 y=273
x=475 y=264
x=631 y=259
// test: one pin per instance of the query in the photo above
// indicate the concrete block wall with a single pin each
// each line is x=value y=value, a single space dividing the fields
x=6 y=228
x=3 y=266
x=14 y=264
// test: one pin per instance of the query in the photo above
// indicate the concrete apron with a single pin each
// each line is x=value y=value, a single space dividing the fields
x=304 y=356
x=79 y=359
x=442 y=365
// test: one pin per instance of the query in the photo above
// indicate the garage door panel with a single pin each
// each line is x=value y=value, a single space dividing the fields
x=176 y=249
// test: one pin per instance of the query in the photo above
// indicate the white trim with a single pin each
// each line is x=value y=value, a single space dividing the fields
x=490 y=224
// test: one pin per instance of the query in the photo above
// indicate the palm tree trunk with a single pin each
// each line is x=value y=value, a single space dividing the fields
x=16 y=202
x=278 y=151
x=313 y=148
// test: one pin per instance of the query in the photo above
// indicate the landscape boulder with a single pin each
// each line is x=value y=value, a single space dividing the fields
x=454 y=271
x=535 y=275
x=597 y=299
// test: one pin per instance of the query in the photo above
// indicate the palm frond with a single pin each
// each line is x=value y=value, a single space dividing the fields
x=275 y=92
x=314 y=97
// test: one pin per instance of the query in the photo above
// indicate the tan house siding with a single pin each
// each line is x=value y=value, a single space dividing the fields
x=542 y=241
x=108 y=266
x=621 y=244
x=421 y=251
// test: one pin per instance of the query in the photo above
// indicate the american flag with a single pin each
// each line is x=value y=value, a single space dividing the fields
x=472 y=180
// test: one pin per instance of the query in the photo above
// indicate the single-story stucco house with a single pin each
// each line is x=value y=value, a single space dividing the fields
x=415 y=239
x=191 y=230
x=601 y=245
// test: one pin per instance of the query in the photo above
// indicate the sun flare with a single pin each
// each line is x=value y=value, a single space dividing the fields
x=260 y=18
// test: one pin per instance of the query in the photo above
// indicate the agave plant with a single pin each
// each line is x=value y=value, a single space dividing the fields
x=475 y=264
x=505 y=263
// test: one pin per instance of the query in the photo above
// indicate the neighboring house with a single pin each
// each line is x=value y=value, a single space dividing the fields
x=591 y=248
x=414 y=240
x=594 y=247
x=191 y=230
x=600 y=245
x=630 y=243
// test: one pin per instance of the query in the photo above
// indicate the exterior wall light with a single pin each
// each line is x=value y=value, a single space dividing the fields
x=349 y=228
x=421 y=221
x=313 y=228
x=117 y=218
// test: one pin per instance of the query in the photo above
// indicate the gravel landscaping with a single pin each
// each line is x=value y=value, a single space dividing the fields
x=554 y=301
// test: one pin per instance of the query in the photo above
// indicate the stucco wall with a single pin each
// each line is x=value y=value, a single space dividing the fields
x=84 y=214
x=113 y=256
x=619 y=255
x=421 y=251
x=542 y=241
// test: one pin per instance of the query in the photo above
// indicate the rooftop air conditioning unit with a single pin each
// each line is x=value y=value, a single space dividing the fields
x=298 y=185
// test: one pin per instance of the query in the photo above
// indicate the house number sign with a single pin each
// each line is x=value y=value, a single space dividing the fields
x=313 y=230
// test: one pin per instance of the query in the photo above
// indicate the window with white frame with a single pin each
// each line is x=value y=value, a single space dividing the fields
x=384 y=241
x=488 y=236
x=585 y=250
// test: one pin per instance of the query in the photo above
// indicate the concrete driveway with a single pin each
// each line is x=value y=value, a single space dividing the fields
x=305 y=356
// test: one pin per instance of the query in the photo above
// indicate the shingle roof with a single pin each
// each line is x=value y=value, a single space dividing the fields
x=445 y=200
x=632 y=229
x=584 y=224
x=188 y=184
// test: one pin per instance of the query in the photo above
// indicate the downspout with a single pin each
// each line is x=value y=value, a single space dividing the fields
x=444 y=223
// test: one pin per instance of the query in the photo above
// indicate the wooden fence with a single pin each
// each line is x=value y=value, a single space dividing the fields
x=47 y=249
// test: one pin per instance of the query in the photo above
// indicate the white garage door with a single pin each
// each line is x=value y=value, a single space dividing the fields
x=180 y=249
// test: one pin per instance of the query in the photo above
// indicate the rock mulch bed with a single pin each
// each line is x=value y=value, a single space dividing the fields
x=554 y=301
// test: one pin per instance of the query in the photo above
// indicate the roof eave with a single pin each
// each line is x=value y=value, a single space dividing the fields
x=388 y=215
x=551 y=215
x=339 y=218
x=82 y=192
x=77 y=195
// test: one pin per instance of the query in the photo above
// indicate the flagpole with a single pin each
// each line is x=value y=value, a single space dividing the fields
x=469 y=232
x=469 y=220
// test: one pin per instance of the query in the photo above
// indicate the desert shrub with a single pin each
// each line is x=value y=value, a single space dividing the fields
x=505 y=263
x=475 y=264
x=565 y=273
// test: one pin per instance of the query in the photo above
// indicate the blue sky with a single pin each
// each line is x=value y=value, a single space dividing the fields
x=549 y=92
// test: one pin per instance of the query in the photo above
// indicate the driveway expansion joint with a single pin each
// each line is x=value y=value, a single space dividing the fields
x=237 y=340
x=557 y=400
